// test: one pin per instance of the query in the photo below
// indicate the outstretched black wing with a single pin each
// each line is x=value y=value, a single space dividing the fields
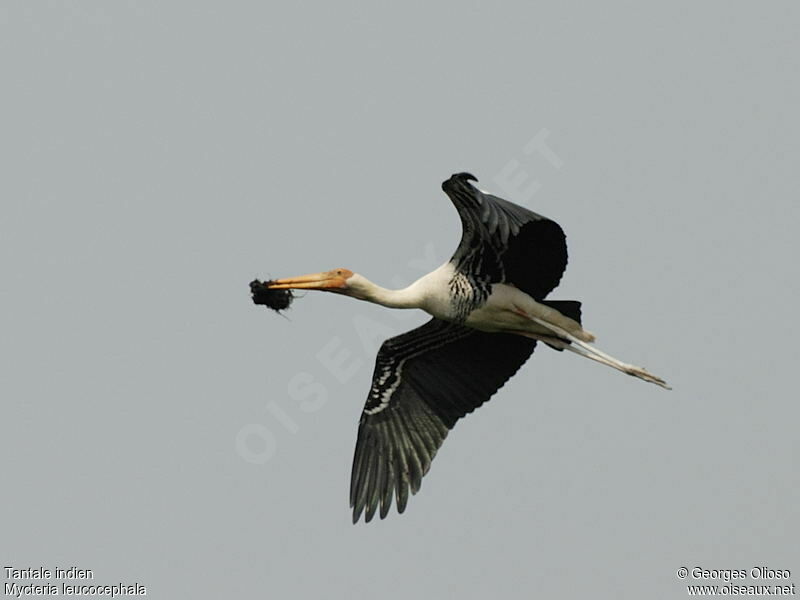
x=503 y=242
x=424 y=381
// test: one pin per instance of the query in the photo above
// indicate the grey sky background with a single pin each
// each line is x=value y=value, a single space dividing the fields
x=157 y=427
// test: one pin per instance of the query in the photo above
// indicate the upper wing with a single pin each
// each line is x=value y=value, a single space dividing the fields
x=503 y=242
x=424 y=381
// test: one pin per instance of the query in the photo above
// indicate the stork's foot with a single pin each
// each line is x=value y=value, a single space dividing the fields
x=644 y=374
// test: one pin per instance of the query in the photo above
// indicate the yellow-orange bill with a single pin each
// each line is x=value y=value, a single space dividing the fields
x=315 y=281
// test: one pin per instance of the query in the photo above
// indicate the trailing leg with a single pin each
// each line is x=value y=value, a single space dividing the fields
x=580 y=347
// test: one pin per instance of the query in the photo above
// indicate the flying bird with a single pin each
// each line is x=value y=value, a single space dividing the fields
x=489 y=311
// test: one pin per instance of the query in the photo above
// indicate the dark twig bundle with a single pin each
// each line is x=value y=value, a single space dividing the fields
x=277 y=300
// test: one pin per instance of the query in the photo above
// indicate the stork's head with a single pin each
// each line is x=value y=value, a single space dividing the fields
x=336 y=280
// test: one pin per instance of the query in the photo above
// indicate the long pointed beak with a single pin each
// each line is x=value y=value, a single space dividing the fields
x=315 y=281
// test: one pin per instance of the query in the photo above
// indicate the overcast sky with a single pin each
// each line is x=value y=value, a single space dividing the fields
x=159 y=428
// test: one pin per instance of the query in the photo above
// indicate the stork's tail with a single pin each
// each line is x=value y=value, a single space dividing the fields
x=568 y=308
x=571 y=309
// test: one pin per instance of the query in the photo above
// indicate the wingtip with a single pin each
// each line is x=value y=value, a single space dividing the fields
x=379 y=510
x=464 y=176
x=456 y=178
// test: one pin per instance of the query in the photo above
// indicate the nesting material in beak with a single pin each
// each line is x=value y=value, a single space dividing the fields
x=277 y=300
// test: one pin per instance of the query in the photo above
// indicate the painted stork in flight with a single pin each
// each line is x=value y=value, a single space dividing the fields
x=489 y=310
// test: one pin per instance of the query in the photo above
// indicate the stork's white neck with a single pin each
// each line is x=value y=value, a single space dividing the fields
x=430 y=292
x=409 y=297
